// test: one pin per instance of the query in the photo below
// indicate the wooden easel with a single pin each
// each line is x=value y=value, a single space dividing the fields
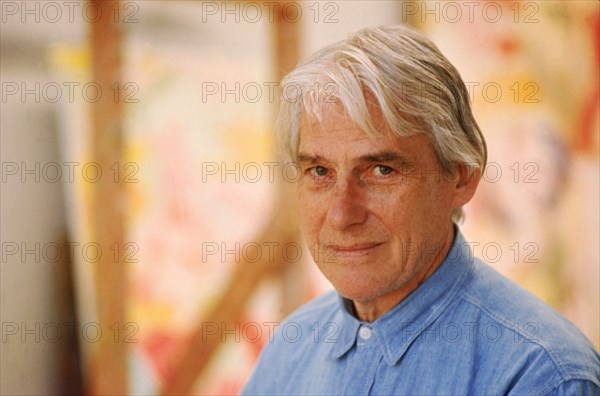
x=109 y=369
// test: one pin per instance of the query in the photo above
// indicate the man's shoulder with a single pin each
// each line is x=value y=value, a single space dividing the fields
x=507 y=302
x=532 y=325
x=292 y=346
x=300 y=334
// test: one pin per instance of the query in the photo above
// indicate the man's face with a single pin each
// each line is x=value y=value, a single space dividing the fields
x=376 y=211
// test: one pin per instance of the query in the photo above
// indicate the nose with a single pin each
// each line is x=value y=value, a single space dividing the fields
x=346 y=205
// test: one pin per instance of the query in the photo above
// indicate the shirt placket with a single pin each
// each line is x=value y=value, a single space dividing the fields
x=365 y=362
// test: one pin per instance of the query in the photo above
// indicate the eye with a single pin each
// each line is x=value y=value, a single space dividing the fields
x=320 y=171
x=382 y=170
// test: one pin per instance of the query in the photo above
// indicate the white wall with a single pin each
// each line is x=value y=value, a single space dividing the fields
x=35 y=293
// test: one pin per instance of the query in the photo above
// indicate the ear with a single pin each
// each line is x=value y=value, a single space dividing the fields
x=465 y=185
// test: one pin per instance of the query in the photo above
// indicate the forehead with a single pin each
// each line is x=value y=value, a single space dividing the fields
x=332 y=116
x=332 y=132
x=331 y=121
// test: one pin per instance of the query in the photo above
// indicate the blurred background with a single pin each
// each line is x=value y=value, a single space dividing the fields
x=149 y=235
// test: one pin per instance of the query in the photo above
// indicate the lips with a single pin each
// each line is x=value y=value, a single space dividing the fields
x=352 y=250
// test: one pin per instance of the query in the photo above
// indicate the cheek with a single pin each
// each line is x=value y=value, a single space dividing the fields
x=435 y=208
x=312 y=214
x=420 y=206
x=394 y=206
x=310 y=228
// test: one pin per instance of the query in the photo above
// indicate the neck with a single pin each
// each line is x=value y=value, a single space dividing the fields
x=371 y=310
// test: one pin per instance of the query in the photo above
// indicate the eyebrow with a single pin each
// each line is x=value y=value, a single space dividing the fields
x=382 y=156
x=311 y=159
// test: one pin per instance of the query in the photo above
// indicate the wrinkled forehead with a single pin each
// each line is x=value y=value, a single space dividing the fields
x=331 y=114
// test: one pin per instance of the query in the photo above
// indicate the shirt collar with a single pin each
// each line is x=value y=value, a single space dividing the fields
x=397 y=329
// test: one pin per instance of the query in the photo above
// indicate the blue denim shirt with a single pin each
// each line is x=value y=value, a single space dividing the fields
x=466 y=330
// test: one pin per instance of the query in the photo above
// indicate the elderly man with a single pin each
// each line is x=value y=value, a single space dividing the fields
x=389 y=153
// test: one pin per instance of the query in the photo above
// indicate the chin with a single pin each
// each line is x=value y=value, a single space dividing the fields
x=358 y=289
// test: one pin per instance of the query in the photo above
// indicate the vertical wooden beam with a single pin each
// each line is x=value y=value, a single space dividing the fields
x=246 y=277
x=286 y=42
x=287 y=55
x=411 y=19
x=109 y=364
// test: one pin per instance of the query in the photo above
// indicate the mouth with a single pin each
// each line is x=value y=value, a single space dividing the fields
x=350 y=251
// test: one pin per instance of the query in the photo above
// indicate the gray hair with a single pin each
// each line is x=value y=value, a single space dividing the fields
x=414 y=85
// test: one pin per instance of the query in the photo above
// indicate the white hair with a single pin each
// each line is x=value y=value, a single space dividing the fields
x=414 y=85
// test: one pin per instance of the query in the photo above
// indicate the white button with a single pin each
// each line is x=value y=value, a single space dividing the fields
x=365 y=333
